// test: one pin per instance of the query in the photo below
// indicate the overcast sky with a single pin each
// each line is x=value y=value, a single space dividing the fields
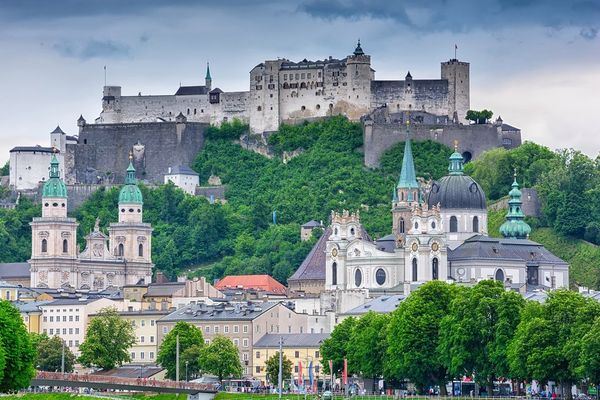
x=534 y=62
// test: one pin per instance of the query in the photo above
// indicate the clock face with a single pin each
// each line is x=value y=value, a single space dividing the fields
x=334 y=252
x=415 y=246
x=435 y=246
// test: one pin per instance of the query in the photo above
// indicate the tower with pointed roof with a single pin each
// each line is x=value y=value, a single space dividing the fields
x=406 y=194
x=131 y=239
x=53 y=236
x=208 y=78
x=58 y=139
x=515 y=226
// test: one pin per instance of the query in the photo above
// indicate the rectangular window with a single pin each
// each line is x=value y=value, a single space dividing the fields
x=77 y=318
x=303 y=76
x=70 y=331
x=226 y=329
x=245 y=342
x=141 y=339
x=133 y=355
x=236 y=342
x=296 y=369
x=245 y=328
x=216 y=329
x=207 y=329
x=64 y=331
x=207 y=341
x=45 y=318
x=142 y=355
x=297 y=354
x=77 y=343
x=258 y=370
x=308 y=75
x=245 y=356
x=51 y=331
x=164 y=329
x=285 y=77
x=143 y=322
x=236 y=329
x=45 y=331
x=152 y=355
x=70 y=343
x=64 y=318
x=151 y=339
x=317 y=354
x=51 y=318
x=70 y=318
x=289 y=329
x=151 y=322
x=77 y=331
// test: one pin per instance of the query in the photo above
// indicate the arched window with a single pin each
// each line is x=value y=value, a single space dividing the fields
x=435 y=269
x=334 y=274
x=65 y=246
x=357 y=278
x=44 y=245
x=414 y=270
x=351 y=231
x=401 y=225
x=120 y=250
x=453 y=224
x=499 y=275
x=141 y=250
x=475 y=224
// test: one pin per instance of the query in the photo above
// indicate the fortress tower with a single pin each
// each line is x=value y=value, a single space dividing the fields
x=459 y=101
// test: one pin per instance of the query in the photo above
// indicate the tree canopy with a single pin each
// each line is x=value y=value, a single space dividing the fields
x=16 y=351
x=191 y=343
x=335 y=347
x=221 y=358
x=49 y=354
x=107 y=340
x=272 y=368
x=479 y=117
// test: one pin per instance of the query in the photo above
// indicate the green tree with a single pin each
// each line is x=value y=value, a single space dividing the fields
x=18 y=353
x=5 y=170
x=191 y=358
x=590 y=348
x=272 y=369
x=335 y=347
x=221 y=358
x=107 y=340
x=49 y=354
x=189 y=337
x=414 y=335
x=476 y=332
x=479 y=117
x=367 y=345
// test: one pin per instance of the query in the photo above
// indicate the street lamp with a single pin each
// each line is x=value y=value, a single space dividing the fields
x=186 y=370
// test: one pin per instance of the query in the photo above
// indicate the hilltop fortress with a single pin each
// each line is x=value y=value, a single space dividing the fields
x=166 y=131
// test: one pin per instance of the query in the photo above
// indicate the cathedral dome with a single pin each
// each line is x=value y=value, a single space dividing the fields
x=457 y=190
x=130 y=193
x=54 y=187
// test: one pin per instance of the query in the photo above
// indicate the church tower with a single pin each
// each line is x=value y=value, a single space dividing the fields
x=130 y=238
x=515 y=227
x=53 y=236
x=406 y=194
x=207 y=78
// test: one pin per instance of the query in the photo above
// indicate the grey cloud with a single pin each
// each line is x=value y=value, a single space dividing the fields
x=589 y=33
x=92 y=49
x=466 y=15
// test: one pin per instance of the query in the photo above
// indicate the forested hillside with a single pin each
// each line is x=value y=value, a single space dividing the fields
x=195 y=237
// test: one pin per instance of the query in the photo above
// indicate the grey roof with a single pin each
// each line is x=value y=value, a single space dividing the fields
x=57 y=130
x=312 y=224
x=457 y=191
x=31 y=306
x=386 y=243
x=507 y=127
x=164 y=289
x=380 y=305
x=14 y=270
x=72 y=301
x=4 y=284
x=220 y=312
x=480 y=247
x=32 y=149
x=191 y=90
x=216 y=90
x=182 y=170
x=313 y=266
x=292 y=340
x=306 y=64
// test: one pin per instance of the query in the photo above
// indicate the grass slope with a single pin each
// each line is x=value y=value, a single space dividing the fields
x=582 y=256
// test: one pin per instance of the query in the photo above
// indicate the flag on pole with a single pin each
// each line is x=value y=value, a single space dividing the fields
x=345 y=372
x=300 y=380
x=310 y=374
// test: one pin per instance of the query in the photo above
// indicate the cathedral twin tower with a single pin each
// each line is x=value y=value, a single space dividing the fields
x=55 y=260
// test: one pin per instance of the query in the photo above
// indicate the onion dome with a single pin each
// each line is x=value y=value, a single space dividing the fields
x=358 y=51
x=54 y=187
x=130 y=193
x=515 y=227
x=457 y=190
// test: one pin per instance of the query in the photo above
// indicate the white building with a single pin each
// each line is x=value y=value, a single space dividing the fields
x=183 y=177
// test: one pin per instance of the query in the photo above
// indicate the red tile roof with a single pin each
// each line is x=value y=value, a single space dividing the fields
x=260 y=282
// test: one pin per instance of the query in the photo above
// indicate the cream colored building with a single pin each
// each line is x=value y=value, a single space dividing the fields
x=32 y=315
x=145 y=349
x=69 y=318
x=243 y=323
x=298 y=348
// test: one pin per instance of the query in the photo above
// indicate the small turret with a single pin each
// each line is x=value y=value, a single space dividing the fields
x=130 y=197
x=456 y=166
x=358 y=51
x=408 y=76
x=80 y=121
x=58 y=139
x=54 y=193
x=515 y=227
x=208 y=78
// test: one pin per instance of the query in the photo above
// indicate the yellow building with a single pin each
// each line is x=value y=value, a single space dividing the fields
x=296 y=347
x=145 y=349
x=9 y=291
x=31 y=314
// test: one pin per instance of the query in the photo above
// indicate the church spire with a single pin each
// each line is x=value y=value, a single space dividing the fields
x=408 y=178
x=456 y=166
x=208 y=78
x=358 y=51
x=515 y=227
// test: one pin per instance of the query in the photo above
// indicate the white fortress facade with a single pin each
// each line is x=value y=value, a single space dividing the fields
x=282 y=91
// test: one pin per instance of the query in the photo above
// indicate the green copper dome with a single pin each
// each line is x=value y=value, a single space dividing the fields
x=54 y=187
x=515 y=227
x=130 y=193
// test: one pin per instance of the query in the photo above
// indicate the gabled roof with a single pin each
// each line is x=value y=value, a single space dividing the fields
x=313 y=266
x=191 y=90
x=380 y=305
x=216 y=90
x=58 y=130
x=259 y=282
x=221 y=312
x=312 y=224
x=292 y=340
x=182 y=170
x=14 y=270
x=164 y=289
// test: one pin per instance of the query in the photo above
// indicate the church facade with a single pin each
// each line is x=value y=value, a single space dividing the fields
x=124 y=257
x=437 y=234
